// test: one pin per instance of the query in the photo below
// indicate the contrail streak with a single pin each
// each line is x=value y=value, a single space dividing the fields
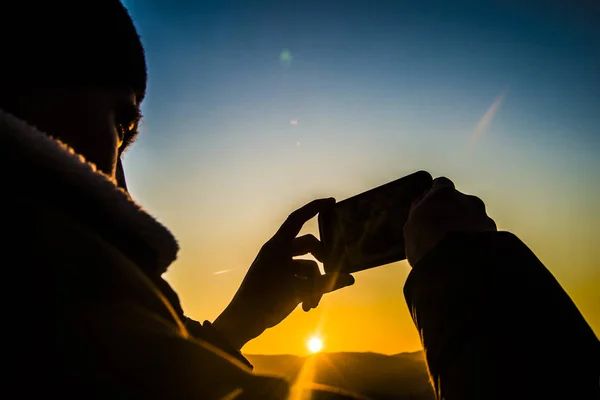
x=223 y=271
x=485 y=121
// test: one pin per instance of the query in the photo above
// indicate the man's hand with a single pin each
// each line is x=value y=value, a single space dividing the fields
x=438 y=212
x=276 y=282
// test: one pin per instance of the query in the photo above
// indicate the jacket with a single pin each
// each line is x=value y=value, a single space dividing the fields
x=495 y=323
x=92 y=315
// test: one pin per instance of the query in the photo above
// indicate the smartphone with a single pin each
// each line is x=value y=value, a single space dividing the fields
x=366 y=230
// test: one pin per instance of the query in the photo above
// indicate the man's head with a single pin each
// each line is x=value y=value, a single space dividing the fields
x=75 y=70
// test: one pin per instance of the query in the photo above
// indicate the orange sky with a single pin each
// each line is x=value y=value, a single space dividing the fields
x=220 y=235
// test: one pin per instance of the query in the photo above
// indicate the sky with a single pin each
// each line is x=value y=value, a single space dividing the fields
x=254 y=108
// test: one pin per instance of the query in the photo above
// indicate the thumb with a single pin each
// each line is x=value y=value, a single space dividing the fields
x=325 y=284
x=333 y=281
x=322 y=284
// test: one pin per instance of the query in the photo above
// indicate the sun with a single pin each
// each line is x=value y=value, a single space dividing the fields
x=314 y=344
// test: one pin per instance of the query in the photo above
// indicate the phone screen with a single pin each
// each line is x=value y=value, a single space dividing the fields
x=366 y=230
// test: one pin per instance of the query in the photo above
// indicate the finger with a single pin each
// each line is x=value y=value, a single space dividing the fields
x=322 y=284
x=416 y=201
x=307 y=244
x=311 y=302
x=327 y=283
x=307 y=269
x=439 y=184
x=293 y=224
x=331 y=282
x=442 y=182
x=491 y=225
x=476 y=203
x=442 y=187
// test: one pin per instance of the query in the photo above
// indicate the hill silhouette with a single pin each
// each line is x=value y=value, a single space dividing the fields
x=377 y=376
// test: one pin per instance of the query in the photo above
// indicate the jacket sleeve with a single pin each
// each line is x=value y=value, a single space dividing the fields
x=495 y=323
x=209 y=334
x=202 y=331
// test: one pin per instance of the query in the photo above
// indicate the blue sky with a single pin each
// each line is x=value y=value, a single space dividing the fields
x=378 y=90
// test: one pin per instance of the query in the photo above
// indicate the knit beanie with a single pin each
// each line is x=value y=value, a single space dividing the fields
x=75 y=43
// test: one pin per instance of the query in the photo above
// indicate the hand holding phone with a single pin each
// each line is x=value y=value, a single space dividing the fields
x=443 y=210
x=366 y=230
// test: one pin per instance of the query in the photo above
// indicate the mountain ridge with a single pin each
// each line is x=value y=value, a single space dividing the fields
x=377 y=376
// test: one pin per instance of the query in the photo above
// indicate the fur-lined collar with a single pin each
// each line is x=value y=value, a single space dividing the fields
x=119 y=212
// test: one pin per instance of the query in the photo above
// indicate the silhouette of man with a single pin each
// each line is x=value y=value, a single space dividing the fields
x=70 y=101
x=95 y=319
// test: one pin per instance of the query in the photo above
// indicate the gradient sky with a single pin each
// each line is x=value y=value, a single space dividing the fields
x=502 y=98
